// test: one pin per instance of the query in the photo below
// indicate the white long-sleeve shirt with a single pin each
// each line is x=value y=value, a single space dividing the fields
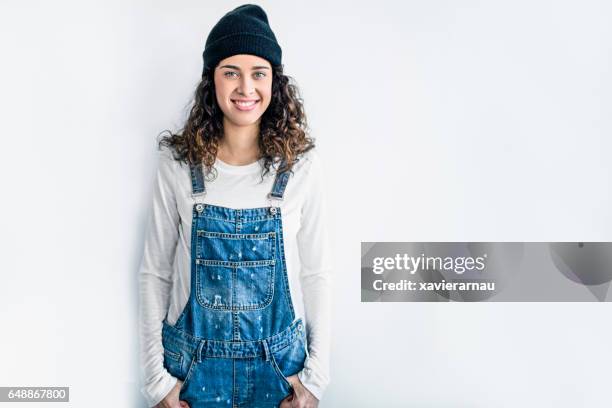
x=165 y=275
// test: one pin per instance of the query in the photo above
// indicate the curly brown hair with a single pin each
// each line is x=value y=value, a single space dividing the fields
x=283 y=132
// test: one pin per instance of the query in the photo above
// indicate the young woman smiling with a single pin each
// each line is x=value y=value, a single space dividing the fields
x=235 y=279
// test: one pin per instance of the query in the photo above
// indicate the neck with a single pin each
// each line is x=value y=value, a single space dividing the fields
x=239 y=145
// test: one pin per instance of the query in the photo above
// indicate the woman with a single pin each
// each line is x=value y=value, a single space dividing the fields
x=235 y=281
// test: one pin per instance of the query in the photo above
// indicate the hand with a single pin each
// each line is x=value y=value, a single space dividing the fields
x=172 y=399
x=300 y=397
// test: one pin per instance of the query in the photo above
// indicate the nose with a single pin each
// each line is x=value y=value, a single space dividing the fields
x=246 y=86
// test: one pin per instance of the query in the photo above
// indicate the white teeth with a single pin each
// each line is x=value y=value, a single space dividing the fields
x=245 y=103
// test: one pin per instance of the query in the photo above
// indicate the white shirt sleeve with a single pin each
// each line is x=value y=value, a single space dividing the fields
x=316 y=281
x=155 y=280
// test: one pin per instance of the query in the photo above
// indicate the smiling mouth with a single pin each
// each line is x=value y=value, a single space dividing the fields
x=245 y=105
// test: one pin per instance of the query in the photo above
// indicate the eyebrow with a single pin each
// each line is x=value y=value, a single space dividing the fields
x=238 y=68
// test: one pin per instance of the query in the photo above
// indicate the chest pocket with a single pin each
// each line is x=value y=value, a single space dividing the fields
x=235 y=271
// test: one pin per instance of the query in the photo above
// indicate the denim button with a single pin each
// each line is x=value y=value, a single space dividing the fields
x=300 y=326
x=199 y=207
x=273 y=210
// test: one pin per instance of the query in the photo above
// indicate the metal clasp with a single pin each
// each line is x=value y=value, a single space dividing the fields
x=273 y=209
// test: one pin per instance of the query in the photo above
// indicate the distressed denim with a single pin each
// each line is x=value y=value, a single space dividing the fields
x=237 y=339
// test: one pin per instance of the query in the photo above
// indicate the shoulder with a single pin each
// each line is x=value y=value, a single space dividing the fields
x=165 y=154
x=309 y=162
x=167 y=164
x=309 y=170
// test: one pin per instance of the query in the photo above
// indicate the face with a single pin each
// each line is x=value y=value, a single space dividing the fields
x=243 y=87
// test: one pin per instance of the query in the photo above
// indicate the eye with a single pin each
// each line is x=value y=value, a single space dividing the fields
x=228 y=74
x=263 y=75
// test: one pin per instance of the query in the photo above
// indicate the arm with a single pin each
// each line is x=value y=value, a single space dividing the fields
x=316 y=281
x=155 y=281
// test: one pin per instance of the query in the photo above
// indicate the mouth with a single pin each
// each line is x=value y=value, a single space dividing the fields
x=245 y=105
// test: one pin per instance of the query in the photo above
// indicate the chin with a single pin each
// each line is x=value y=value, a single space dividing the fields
x=244 y=121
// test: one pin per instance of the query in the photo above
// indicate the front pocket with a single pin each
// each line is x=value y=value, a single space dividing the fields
x=192 y=364
x=289 y=360
x=173 y=362
x=224 y=285
x=179 y=363
x=177 y=357
x=287 y=387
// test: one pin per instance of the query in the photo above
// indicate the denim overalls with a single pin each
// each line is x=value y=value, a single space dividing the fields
x=237 y=339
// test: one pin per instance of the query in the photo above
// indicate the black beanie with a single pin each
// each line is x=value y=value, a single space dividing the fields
x=244 y=30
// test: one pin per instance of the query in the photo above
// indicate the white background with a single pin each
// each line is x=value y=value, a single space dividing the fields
x=436 y=120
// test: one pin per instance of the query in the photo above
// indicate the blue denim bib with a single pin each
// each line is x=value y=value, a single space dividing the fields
x=237 y=339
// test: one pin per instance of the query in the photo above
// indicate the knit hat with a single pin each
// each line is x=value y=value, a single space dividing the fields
x=244 y=30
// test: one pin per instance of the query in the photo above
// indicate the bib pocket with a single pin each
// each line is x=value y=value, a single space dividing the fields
x=223 y=246
x=234 y=286
x=235 y=271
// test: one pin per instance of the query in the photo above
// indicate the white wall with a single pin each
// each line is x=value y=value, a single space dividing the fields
x=438 y=121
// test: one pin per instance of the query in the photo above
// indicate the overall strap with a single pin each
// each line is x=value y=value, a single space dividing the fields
x=197 y=179
x=280 y=182
x=198 y=188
